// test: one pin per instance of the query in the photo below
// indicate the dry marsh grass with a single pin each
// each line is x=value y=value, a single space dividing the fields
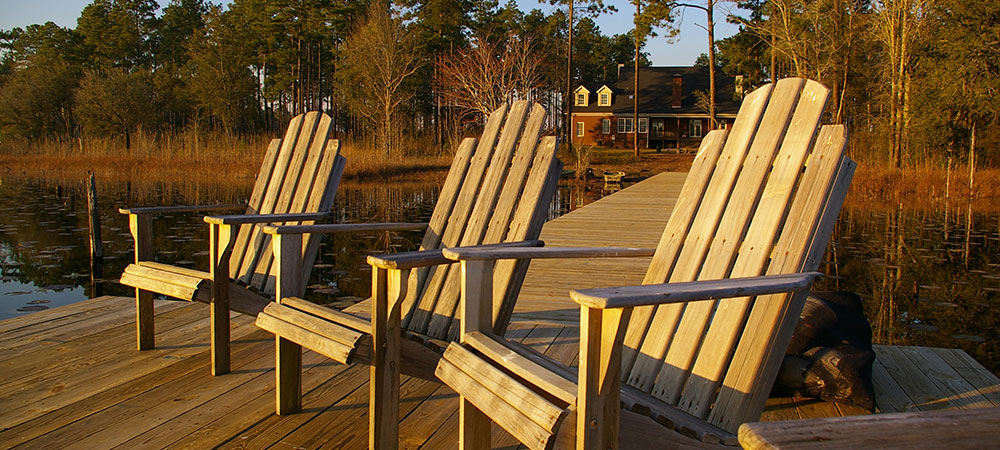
x=924 y=188
x=191 y=156
x=221 y=159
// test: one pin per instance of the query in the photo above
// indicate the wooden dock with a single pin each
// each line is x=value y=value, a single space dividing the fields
x=70 y=377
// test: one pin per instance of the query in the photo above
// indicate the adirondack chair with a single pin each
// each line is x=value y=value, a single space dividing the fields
x=297 y=182
x=694 y=351
x=497 y=192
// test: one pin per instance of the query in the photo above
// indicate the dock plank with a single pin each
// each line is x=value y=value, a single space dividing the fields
x=987 y=384
x=127 y=419
x=37 y=317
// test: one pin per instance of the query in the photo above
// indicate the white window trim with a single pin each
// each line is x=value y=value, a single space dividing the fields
x=579 y=129
x=643 y=125
x=625 y=125
x=605 y=126
x=604 y=99
x=691 y=128
x=581 y=99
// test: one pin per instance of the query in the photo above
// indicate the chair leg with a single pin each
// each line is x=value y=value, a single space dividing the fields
x=222 y=239
x=144 y=319
x=601 y=337
x=288 y=376
x=388 y=289
x=141 y=228
x=220 y=336
x=473 y=427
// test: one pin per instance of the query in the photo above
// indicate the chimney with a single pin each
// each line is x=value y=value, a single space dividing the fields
x=620 y=66
x=676 y=103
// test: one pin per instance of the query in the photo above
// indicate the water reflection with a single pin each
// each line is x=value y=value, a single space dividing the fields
x=45 y=257
x=928 y=278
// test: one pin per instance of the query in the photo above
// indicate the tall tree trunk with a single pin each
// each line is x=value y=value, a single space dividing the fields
x=972 y=159
x=569 y=81
x=319 y=76
x=711 y=64
x=635 y=91
x=774 y=54
x=297 y=85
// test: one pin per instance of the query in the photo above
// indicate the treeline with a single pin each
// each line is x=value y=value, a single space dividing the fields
x=387 y=73
x=917 y=81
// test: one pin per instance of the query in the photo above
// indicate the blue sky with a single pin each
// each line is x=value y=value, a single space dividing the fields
x=691 y=41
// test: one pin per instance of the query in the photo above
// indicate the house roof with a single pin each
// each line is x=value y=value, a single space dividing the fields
x=656 y=92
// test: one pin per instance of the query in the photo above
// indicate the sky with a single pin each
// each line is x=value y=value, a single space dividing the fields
x=685 y=48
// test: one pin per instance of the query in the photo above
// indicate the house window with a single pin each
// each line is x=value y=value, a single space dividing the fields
x=642 y=124
x=720 y=124
x=694 y=128
x=605 y=126
x=579 y=129
x=624 y=124
x=604 y=100
x=581 y=99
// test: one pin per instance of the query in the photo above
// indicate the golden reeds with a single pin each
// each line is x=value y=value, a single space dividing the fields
x=191 y=155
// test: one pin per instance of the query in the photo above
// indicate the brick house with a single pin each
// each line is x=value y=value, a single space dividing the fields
x=603 y=113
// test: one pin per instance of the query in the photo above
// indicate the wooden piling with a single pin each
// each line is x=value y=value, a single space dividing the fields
x=96 y=245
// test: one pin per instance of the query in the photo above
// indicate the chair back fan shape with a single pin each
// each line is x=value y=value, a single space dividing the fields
x=293 y=178
x=759 y=201
x=494 y=193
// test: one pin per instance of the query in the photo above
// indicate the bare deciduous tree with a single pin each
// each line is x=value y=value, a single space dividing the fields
x=488 y=74
x=379 y=57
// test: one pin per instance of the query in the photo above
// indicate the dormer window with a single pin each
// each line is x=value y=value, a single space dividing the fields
x=581 y=97
x=604 y=96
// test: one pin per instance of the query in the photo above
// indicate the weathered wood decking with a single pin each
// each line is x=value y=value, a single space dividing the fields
x=70 y=377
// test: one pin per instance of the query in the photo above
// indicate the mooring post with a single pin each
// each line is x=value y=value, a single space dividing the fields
x=96 y=246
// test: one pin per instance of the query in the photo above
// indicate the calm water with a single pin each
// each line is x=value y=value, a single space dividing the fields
x=927 y=278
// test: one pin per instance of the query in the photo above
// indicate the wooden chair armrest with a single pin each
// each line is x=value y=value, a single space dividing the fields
x=180 y=208
x=343 y=228
x=654 y=294
x=262 y=218
x=482 y=253
x=409 y=260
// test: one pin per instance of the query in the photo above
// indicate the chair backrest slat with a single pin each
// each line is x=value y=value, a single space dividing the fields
x=531 y=213
x=253 y=206
x=742 y=244
x=457 y=219
x=297 y=170
x=521 y=132
x=270 y=198
x=695 y=243
x=438 y=221
x=800 y=247
x=333 y=167
x=752 y=210
x=321 y=189
x=301 y=176
x=503 y=196
x=677 y=226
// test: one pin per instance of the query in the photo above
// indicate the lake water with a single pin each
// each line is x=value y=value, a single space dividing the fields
x=927 y=278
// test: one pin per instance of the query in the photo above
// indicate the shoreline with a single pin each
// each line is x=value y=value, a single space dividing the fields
x=872 y=187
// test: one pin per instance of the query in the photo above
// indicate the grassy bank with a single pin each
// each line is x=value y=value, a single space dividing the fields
x=218 y=158
x=924 y=188
x=187 y=156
